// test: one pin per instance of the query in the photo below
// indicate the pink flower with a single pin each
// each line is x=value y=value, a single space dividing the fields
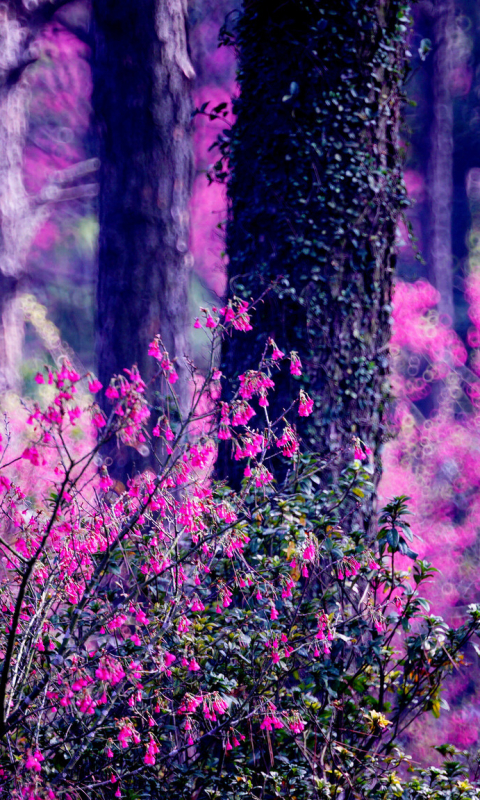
x=172 y=376
x=210 y=323
x=4 y=482
x=309 y=553
x=141 y=618
x=287 y=590
x=105 y=483
x=254 y=382
x=124 y=736
x=34 y=761
x=183 y=625
x=305 y=406
x=241 y=321
x=242 y=413
x=111 y=393
x=295 y=364
x=262 y=476
x=169 y=658
x=152 y=750
x=39 y=378
x=277 y=353
x=154 y=349
x=224 y=431
x=296 y=724
x=288 y=442
x=358 y=453
x=197 y=324
x=271 y=721
x=94 y=386
x=169 y=434
x=31 y=454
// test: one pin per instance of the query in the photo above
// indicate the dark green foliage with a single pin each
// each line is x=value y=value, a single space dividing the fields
x=384 y=668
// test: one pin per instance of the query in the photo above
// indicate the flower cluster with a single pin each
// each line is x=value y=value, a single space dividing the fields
x=158 y=351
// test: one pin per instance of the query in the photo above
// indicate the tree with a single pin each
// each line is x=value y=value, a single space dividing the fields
x=315 y=189
x=142 y=108
x=22 y=214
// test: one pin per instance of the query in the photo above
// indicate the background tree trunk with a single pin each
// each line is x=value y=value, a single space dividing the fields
x=142 y=103
x=22 y=214
x=315 y=191
x=19 y=221
x=441 y=159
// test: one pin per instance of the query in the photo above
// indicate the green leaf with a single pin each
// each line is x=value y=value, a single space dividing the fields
x=393 y=538
x=424 y=603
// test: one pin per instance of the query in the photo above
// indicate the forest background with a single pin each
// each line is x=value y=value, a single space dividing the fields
x=433 y=457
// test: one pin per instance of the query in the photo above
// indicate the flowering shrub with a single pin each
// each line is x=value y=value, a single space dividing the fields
x=175 y=637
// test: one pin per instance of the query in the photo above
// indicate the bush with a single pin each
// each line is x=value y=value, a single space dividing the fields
x=176 y=638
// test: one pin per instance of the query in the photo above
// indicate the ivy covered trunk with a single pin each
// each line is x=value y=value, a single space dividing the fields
x=142 y=104
x=315 y=190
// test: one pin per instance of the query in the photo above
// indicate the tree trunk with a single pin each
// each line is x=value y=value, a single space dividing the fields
x=315 y=190
x=18 y=221
x=22 y=214
x=441 y=160
x=142 y=103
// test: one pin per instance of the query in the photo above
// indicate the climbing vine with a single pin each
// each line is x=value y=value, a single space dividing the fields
x=315 y=188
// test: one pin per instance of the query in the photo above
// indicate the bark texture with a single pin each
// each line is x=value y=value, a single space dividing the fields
x=142 y=103
x=315 y=190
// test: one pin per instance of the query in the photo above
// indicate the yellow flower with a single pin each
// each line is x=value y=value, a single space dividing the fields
x=376 y=720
